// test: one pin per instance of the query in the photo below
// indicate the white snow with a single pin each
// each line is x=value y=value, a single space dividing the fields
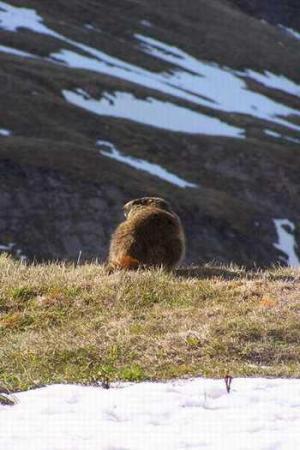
x=224 y=88
x=288 y=138
x=286 y=241
x=4 y=132
x=281 y=136
x=201 y=83
x=290 y=31
x=279 y=82
x=153 y=112
x=91 y=27
x=146 y=23
x=6 y=247
x=141 y=164
x=12 y=18
x=273 y=133
x=16 y=52
x=11 y=247
x=100 y=62
x=260 y=414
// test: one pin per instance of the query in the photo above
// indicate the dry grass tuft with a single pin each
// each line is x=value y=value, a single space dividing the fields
x=62 y=323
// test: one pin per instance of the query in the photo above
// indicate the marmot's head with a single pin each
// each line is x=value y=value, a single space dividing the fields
x=144 y=202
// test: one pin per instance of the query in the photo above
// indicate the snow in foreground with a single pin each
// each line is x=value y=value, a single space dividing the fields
x=260 y=414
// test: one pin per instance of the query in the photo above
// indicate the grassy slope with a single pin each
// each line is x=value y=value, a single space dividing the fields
x=65 y=323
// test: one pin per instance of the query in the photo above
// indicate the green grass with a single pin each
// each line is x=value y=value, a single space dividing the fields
x=62 y=323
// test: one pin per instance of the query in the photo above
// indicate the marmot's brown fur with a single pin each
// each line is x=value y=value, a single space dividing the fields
x=151 y=235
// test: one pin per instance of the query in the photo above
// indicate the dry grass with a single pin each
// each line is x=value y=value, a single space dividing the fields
x=62 y=323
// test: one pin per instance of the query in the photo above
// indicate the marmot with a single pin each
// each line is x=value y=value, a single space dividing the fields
x=151 y=236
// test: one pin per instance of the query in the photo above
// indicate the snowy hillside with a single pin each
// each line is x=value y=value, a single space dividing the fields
x=192 y=80
x=105 y=104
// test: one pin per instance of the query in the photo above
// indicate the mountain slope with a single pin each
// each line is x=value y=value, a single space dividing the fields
x=198 y=103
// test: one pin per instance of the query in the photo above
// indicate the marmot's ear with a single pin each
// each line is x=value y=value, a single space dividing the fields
x=126 y=209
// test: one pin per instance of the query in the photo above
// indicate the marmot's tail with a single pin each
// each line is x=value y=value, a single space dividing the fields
x=127 y=262
x=123 y=263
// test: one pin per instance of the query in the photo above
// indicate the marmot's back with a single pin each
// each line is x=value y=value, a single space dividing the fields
x=152 y=235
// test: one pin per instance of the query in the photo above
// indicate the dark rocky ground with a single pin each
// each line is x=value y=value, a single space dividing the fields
x=59 y=196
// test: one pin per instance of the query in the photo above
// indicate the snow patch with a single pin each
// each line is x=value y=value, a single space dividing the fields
x=153 y=112
x=12 y=18
x=6 y=247
x=218 y=88
x=286 y=241
x=146 y=23
x=224 y=88
x=271 y=80
x=141 y=164
x=4 y=132
x=272 y=133
x=195 y=414
x=290 y=31
x=102 y=63
x=16 y=52
x=91 y=27
x=12 y=249
x=281 y=136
